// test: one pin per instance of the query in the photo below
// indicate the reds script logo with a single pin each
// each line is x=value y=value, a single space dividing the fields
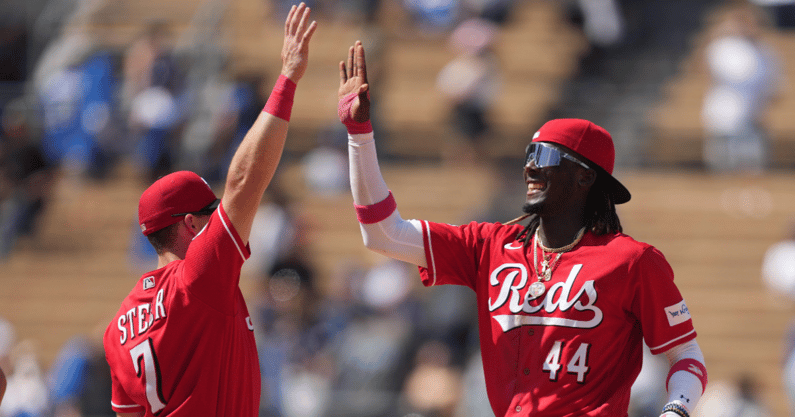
x=514 y=290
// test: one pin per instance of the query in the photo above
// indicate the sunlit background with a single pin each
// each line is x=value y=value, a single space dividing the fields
x=98 y=98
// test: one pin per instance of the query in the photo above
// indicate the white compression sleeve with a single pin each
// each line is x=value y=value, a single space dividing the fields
x=393 y=236
x=684 y=387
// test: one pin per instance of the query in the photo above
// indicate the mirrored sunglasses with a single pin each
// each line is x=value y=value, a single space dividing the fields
x=544 y=156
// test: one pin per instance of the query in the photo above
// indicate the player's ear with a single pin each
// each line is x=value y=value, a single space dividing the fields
x=586 y=178
x=190 y=223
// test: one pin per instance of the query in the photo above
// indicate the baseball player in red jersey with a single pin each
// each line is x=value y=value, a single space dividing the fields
x=182 y=343
x=564 y=303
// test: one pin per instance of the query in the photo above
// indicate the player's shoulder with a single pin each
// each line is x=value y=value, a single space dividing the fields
x=479 y=229
x=622 y=243
x=496 y=232
x=497 y=227
x=148 y=284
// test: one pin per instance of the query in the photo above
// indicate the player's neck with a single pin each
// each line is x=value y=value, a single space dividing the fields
x=556 y=234
x=166 y=258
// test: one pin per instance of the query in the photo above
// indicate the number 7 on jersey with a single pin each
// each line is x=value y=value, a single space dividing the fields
x=144 y=352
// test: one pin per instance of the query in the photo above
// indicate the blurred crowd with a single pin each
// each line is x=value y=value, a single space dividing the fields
x=72 y=109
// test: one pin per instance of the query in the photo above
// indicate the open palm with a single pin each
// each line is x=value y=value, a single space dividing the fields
x=297 y=34
x=353 y=81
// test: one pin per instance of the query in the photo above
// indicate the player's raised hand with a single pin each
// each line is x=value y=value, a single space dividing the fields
x=354 y=104
x=297 y=34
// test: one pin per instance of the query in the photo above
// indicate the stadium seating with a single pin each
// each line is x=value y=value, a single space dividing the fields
x=675 y=127
x=72 y=277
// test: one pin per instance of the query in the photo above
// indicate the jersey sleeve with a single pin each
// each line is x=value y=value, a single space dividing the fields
x=659 y=305
x=452 y=252
x=211 y=270
x=120 y=402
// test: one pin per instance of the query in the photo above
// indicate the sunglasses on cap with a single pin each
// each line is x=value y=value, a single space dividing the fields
x=544 y=156
x=204 y=211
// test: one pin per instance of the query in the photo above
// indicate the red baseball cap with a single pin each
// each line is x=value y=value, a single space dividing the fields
x=175 y=194
x=591 y=142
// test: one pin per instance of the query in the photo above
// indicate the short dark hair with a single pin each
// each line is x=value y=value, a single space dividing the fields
x=164 y=238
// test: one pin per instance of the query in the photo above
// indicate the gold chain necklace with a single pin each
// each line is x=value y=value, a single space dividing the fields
x=538 y=288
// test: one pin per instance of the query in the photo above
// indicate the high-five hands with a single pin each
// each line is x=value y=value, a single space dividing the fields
x=297 y=34
x=354 y=104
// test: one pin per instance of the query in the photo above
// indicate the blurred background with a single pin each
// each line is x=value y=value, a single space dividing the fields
x=98 y=98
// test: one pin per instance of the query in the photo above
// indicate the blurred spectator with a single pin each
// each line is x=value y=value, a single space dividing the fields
x=737 y=399
x=471 y=82
x=433 y=387
x=153 y=83
x=26 y=177
x=648 y=396
x=375 y=351
x=148 y=62
x=141 y=256
x=745 y=78
x=13 y=42
x=788 y=371
x=100 y=118
x=76 y=88
x=286 y=313
x=602 y=22
x=79 y=379
x=782 y=12
x=475 y=402
x=69 y=47
x=8 y=338
x=235 y=106
x=325 y=167
x=433 y=17
x=778 y=274
x=209 y=125
x=495 y=11
x=26 y=393
x=446 y=318
x=778 y=265
x=276 y=233
x=358 y=12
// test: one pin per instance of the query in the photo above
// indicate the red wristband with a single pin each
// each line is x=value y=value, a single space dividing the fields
x=689 y=365
x=280 y=103
x=344 y=113
x=376 y=212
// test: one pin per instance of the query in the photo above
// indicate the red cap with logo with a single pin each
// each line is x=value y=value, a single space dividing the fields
x=593 y=143
x=173 y=195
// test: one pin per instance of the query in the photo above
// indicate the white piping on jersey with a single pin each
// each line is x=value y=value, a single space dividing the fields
x=201 y=231
x=509 y=322
x=673 y=340
x=430 y=250
x=124 y=406
x=226 y=226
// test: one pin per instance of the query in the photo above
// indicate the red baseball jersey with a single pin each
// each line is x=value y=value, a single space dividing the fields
x=576 y=349
x=182 y=343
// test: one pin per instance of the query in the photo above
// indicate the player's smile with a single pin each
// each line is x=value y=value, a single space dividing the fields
x=534 y=186
x=536 y=180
